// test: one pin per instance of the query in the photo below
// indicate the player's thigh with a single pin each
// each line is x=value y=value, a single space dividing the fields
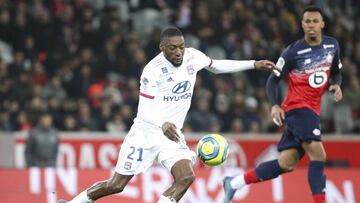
x=136 y=153
x=171 y=152
x=289 y=158
x=315 y=150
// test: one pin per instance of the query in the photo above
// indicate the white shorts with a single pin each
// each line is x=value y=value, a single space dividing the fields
x=145 y=144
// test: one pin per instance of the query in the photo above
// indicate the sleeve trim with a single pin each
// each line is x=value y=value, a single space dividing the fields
x=211 y=62
x=146 y=95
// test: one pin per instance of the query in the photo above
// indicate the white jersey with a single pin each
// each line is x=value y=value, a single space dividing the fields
x=166 y=90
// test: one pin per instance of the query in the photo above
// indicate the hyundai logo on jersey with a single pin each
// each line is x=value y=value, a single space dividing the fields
x=181 y=87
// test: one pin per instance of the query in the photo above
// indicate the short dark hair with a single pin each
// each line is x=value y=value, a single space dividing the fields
x=170 y=32
x=314 y=8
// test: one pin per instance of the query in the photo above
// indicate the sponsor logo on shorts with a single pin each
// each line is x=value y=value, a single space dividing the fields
x=127 y=165
x=316 y=132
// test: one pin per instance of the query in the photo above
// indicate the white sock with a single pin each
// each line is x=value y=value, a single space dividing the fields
x=164 y=199
x=82 y=198
x=238 y=181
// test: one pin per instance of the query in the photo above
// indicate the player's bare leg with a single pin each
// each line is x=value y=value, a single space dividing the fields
x=184 y=176
x=265 y=171
x=288 y=159
x=316 y=177
x=113 y=185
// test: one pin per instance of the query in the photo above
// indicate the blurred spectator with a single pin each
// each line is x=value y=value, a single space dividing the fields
x=54 y=89
x=116 y=125
x=201 y=119
x=249 y=117
x=70 y=124
x=42 y=144
x=85 y=118
x=23 y=122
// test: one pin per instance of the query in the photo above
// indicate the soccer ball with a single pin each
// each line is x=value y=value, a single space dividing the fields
x=212 y=149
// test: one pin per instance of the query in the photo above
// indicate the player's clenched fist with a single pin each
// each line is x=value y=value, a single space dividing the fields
x=169 y=130
x=265 y=65
x=277 y=114
x=336 y=90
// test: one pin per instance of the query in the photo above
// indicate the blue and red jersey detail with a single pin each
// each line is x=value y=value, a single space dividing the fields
x=307 y=70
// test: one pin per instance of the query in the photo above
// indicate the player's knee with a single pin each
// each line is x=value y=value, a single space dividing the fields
x=114 y=187
x=319 y=157
x=287 y=166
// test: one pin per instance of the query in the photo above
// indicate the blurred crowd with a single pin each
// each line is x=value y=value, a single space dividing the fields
x=80 y=60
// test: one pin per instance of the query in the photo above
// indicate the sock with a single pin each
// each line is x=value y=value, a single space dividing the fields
x=267 y=170
x=317 y=180
x=264 y=171
x=244 y=179
x=319 y=198
x=82 y=198
x=164 y=199
x=238 y=181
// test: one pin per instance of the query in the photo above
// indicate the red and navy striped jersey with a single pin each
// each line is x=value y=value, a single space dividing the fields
x=307 y=70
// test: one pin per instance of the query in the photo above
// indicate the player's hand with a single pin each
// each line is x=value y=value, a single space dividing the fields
x=169 y=130
x=277 y=115
x=336 y=90
x=265 y=65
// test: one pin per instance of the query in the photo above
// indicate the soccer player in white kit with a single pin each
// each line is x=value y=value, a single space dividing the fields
x=166 y=89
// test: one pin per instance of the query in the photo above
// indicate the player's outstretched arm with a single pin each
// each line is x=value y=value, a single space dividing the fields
x=232 y=66
x=265 y=65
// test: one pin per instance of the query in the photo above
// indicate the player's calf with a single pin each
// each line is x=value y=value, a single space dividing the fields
x=317 y=181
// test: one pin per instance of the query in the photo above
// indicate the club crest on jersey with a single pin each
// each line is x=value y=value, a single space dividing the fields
x=127 y=165
x=164 y=70
x=190 y=69
x=145 y=81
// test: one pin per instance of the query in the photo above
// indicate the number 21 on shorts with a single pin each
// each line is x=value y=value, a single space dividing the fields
x=135 y=153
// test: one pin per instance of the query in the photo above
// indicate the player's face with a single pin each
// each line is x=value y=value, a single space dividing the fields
x=173 y=49
x=312 y=24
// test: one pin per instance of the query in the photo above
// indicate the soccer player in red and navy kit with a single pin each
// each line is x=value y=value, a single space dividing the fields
x=311 y=65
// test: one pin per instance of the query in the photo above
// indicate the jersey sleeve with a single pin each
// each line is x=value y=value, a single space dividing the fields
x=201 y=59
x=285 y=63
x=335 y=74
x=148 y=84
x=148 y=98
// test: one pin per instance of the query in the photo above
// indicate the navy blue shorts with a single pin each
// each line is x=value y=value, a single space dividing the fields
x=301 y=125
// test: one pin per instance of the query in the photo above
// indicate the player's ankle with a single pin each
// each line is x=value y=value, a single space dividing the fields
x=238 y=182
x=164 y=199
